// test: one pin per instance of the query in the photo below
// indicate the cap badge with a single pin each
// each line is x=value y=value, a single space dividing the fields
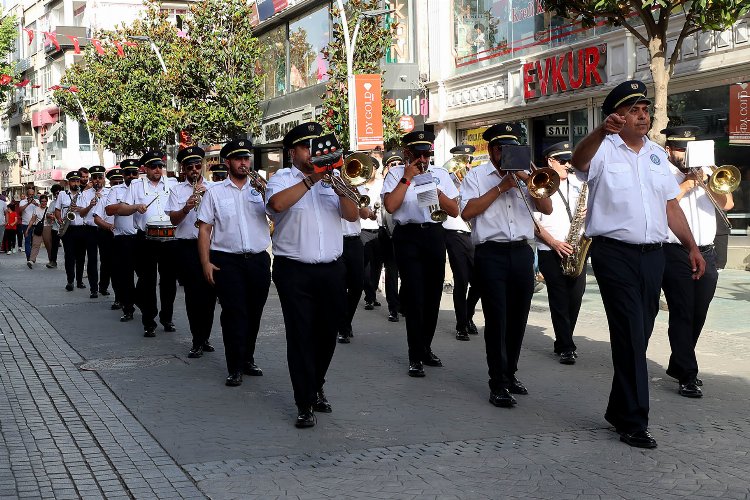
x=242 y=143
x=421 y=136
x=687 y=133
x=566 y=145
x=311 y=128
x=634 y=86
x=508 y=128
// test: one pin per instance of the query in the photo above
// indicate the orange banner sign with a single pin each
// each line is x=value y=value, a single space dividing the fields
x=369 y=111
x=739 y=113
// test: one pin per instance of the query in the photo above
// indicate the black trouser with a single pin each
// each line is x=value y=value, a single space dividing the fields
x=90 y=240
x=123 y=279
x=242 y=284
x=75 y=253
x=151 y=257
x=200 y=296
x=308 y=294
x=9 y=239
x=564 y=295
x=387 y=261
x=55 y=246
x=505 y=277
x=105 y=240
x=354 y=264
x=420 y=254
x=688 y=302
x=373 y=263
x=721 y=242
x=629 y=278
x=461 y=258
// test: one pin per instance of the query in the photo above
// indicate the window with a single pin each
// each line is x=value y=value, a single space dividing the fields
x=273 y=63
x=308 y=36
x=45 y=78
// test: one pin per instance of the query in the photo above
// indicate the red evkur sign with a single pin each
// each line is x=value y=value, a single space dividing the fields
x=572 y=70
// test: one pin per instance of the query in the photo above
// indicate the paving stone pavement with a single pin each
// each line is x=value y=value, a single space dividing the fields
x=89 y=408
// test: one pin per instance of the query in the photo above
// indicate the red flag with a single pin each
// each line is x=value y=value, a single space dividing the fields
x=30 y=33
x=76 y=44
x=36 y=86
x=5 y=79
x=120 y=51
x=55 y=87
x=22 y=83
x=131 y=44
x=98 y=46
x=73 y=88
x=50 y=37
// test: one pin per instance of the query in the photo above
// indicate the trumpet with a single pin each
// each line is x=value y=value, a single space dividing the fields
x=724 y=180
x=199 y=194
x=357 y=170
x=258 y=182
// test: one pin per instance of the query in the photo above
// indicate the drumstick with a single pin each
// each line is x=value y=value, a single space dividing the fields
x=150 y=202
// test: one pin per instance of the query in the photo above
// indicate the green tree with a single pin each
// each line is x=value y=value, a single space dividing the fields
x=373 y=41
x=648 y=21
x=8 y=35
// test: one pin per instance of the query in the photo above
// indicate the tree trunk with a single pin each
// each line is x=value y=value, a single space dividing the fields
x=660 y=74
x=100 y=150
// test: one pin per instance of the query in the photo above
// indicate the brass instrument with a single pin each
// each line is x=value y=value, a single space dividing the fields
x=542 y=183
x=572 y=265
x=459 y=166
x=199 y=194
x=358 y=168
x=69 y=216
x=437 y=214
x=258 y=182
x=724 y=180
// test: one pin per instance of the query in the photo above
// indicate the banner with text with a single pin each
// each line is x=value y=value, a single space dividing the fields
x=369 y=111
x=739 y=113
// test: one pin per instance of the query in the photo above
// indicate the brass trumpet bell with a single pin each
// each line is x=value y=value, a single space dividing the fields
x=543 y=182
x=724 y=179
x=459 y=165
x=358 y=168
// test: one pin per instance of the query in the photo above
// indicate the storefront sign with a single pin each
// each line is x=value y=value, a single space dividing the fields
x=474 y=138
x=571 y=70
x=412 y=107
x=739 y=113
x=369 y=108
x=564 y=130
x=275 y=130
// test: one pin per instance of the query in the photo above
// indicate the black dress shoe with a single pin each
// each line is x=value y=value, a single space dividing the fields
x=252 y=370
x=473 y=330
x=431 y=359
x=377 y=304
x=393 y=317
x=169 y=327
x=321 y=404
x=94 y=295
x=568 y=358
x=207 y=347
x=69 y=287
x=103 y=292
x=126 y=317
x=305 y=418
x=638 y=439
x=343 y=338
x=196 y=352
x=516 y=387
x=369 y=306
x=416 y=369
x=698 y=382
x=115 y=306
x=234 y=379
x=80 y=285
x=462 y=335
x=149 y=331
x=690 y=390
x=502 y=399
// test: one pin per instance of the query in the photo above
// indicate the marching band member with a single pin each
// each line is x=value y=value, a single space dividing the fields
x=73 y=239
x=218 y=172
x=182 y=207
x=307 y=268
x=564 y=293
x=461 y=259
x=689 y=299
x=105 y=234
x=232 y=242
x=492 y=201
x=373 y=259
x=632 y=201
x=353 y=257
x=419 y=243
x=124 y=241
x=89 y=199
x=145 y=199
x=386 y=226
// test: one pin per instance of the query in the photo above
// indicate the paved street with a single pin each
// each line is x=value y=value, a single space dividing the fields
x=89 y=408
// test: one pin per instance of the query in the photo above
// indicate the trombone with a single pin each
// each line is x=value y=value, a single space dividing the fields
x=358 y=169
x=724 y=180
x=542 y=183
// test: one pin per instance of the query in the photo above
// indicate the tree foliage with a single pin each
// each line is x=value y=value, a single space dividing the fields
x=649 y=21
x=8 y=35
x=372 y=43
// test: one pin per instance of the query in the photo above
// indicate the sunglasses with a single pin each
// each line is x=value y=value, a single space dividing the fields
x=193 y=166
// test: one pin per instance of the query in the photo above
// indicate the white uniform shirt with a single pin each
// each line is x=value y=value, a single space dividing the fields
x=410 y=212
x=507 y=218
x=354 y=228
x=238 y=218
x=310 y=230
x=178 y=196
x=63 y=202
x=372 y=189
x=86 y=198
x=26 y=214
x=628 y=192
x=699 y=212
x=3 y=207
x=143 y=191
x=456 y=223
x=557 y=223
x=124 y=224
x=98 y=210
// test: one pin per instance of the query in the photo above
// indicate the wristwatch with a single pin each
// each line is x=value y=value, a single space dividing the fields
x=404 y=180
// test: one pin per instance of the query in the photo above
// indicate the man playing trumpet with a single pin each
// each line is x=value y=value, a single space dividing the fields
x=89 y=199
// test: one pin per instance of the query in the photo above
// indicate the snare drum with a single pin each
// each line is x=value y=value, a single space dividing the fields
x=160 y=231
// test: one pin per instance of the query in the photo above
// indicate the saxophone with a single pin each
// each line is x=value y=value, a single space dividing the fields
x=69 y=216
x=572 y=265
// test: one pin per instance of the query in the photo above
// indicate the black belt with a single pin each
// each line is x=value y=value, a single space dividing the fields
x=459 y=231
x=641 y=247
x=505 y=244
x=371 y=230
x=351 y=236
x=422 y=225
x=703 y=249
x=248 y=255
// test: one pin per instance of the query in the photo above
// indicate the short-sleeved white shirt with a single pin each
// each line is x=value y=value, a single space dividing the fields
x=410 y=212
x=124 y=224
x=178 y=197
x=85 y=199
x=63 y=202
x=507 y=218
x=26 y=214
x=238 y=218
x=372 y=189
x=3 y=207
x=310 y=230
x=143 y=191
x=628 y=192
x=557 y=223
x=699 y=212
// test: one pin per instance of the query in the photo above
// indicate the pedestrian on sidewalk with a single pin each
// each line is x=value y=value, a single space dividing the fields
x=35 y=229
x=3 y=219
x=26 y=211
x=632 y=204
x=11 y=223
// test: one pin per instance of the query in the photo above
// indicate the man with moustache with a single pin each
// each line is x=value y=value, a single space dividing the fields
x=632 y=204
x=89 y=200
x=182 y=207
x=73 y=239
x=232 y=242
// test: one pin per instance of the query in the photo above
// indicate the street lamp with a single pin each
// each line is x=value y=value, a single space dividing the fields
x=83 y=111
x=154 y=47
x=350 y=44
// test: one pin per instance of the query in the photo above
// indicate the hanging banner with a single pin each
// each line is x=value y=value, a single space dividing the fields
x=369 y=106
x=739 y=113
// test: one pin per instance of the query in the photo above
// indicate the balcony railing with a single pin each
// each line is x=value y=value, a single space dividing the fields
x=22 y=144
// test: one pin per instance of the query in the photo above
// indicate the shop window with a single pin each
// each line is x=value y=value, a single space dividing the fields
x=308 y=36
x=558 y=127
x=273 y=64
x=402 y=27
